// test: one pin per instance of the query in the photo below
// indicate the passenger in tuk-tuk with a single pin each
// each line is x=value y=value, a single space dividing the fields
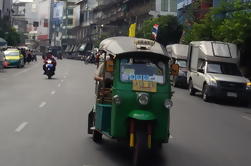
x=105 y=74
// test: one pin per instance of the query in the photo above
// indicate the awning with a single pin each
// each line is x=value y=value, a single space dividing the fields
x=76 y=48
x=43 y=37
x=82 y=47
x=67 y=48
x=72 y=48
x=3 y=42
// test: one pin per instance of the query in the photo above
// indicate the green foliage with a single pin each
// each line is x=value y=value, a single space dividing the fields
x=169 y=29
x=8 y=33
x=231 y=22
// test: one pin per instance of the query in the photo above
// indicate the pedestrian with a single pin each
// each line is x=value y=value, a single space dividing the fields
x=29 y=56
x=23 y=52
x=1 y=60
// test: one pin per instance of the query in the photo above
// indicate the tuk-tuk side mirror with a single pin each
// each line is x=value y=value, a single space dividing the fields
x=175 y=69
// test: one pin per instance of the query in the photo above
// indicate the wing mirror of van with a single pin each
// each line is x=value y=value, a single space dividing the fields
x=175 y=69
x=201 y=70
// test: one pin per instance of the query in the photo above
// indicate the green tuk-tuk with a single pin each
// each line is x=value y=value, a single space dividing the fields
x=135 y=106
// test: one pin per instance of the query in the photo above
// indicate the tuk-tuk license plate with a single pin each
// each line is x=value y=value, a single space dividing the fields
x=145 y=86
x=231 y=94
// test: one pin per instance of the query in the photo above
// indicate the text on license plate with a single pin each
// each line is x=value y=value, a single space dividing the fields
x=231 y=94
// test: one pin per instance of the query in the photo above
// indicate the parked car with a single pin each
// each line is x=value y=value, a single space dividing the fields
x=178 y=52
x=213 y=70
x=14 y=58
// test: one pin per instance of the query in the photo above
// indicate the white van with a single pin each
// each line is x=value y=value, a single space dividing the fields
x=178 y=52
x=213 y=70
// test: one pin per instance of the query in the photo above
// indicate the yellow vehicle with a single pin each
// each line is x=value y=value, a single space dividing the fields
x=14 y=58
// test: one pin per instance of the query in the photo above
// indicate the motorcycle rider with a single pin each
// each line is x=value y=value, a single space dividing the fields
x=54 y=62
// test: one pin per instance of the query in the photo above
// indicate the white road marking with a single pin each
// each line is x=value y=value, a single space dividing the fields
x=21 y=72
x=62 y=80
x=53 y=92
x=21 y=127
x=246 y=117
x=59 y=85
x=42 y=104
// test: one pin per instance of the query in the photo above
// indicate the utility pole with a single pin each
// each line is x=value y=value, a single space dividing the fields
x=51 y=21
x=67 y=34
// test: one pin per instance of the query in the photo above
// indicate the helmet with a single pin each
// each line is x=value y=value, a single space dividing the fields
x=49 y=55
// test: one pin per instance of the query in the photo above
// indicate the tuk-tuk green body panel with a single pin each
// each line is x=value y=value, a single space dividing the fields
x=142 y=115
x=155 y=110
x=130 y=107
x=103 y=117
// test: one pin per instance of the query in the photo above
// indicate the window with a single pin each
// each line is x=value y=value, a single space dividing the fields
x=223 y=68
x=11 y=53
x=70 y=11
x=70 y=21
x=182 y=63
x=164 y=5
x=142 y=69
x=221 y=49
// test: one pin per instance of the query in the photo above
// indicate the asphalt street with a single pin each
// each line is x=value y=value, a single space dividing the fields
x=44 y=123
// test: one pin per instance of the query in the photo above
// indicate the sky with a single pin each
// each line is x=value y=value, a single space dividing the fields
x=15 y=1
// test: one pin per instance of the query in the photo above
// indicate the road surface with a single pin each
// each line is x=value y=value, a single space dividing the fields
x=44 y=122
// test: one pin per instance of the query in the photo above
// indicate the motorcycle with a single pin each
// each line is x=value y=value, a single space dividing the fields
x=90 y=59
x=49 y=70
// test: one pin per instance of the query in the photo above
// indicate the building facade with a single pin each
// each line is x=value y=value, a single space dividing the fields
x=218 y=2
x=5 y=8
x=106 y=18
x=90 y=21
x=192 y=10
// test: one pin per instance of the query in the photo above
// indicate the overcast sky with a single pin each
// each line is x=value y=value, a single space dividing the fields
x=15 y=1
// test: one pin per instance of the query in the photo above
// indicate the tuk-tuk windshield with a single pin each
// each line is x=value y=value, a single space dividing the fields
x=142 y=69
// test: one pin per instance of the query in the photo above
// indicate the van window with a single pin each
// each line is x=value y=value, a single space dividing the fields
x=223 y=68
x=221 y=49
x=182 y=63
x=201 y=64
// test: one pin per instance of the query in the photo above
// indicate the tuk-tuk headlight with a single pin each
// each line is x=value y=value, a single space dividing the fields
x=168 y=103
x=143 y=98
x=116 y=99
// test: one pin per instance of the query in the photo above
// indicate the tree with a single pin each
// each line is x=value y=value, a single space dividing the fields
x=9 y=33
x=169 y=29
x=231 y=22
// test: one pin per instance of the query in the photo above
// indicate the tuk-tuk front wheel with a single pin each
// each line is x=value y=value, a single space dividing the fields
x=140 y=147
x=97 y=136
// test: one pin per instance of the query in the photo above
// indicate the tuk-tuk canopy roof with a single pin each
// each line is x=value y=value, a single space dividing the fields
x=124 y=44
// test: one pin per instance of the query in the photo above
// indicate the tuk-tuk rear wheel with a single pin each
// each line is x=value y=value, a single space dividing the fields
x=97 y=136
